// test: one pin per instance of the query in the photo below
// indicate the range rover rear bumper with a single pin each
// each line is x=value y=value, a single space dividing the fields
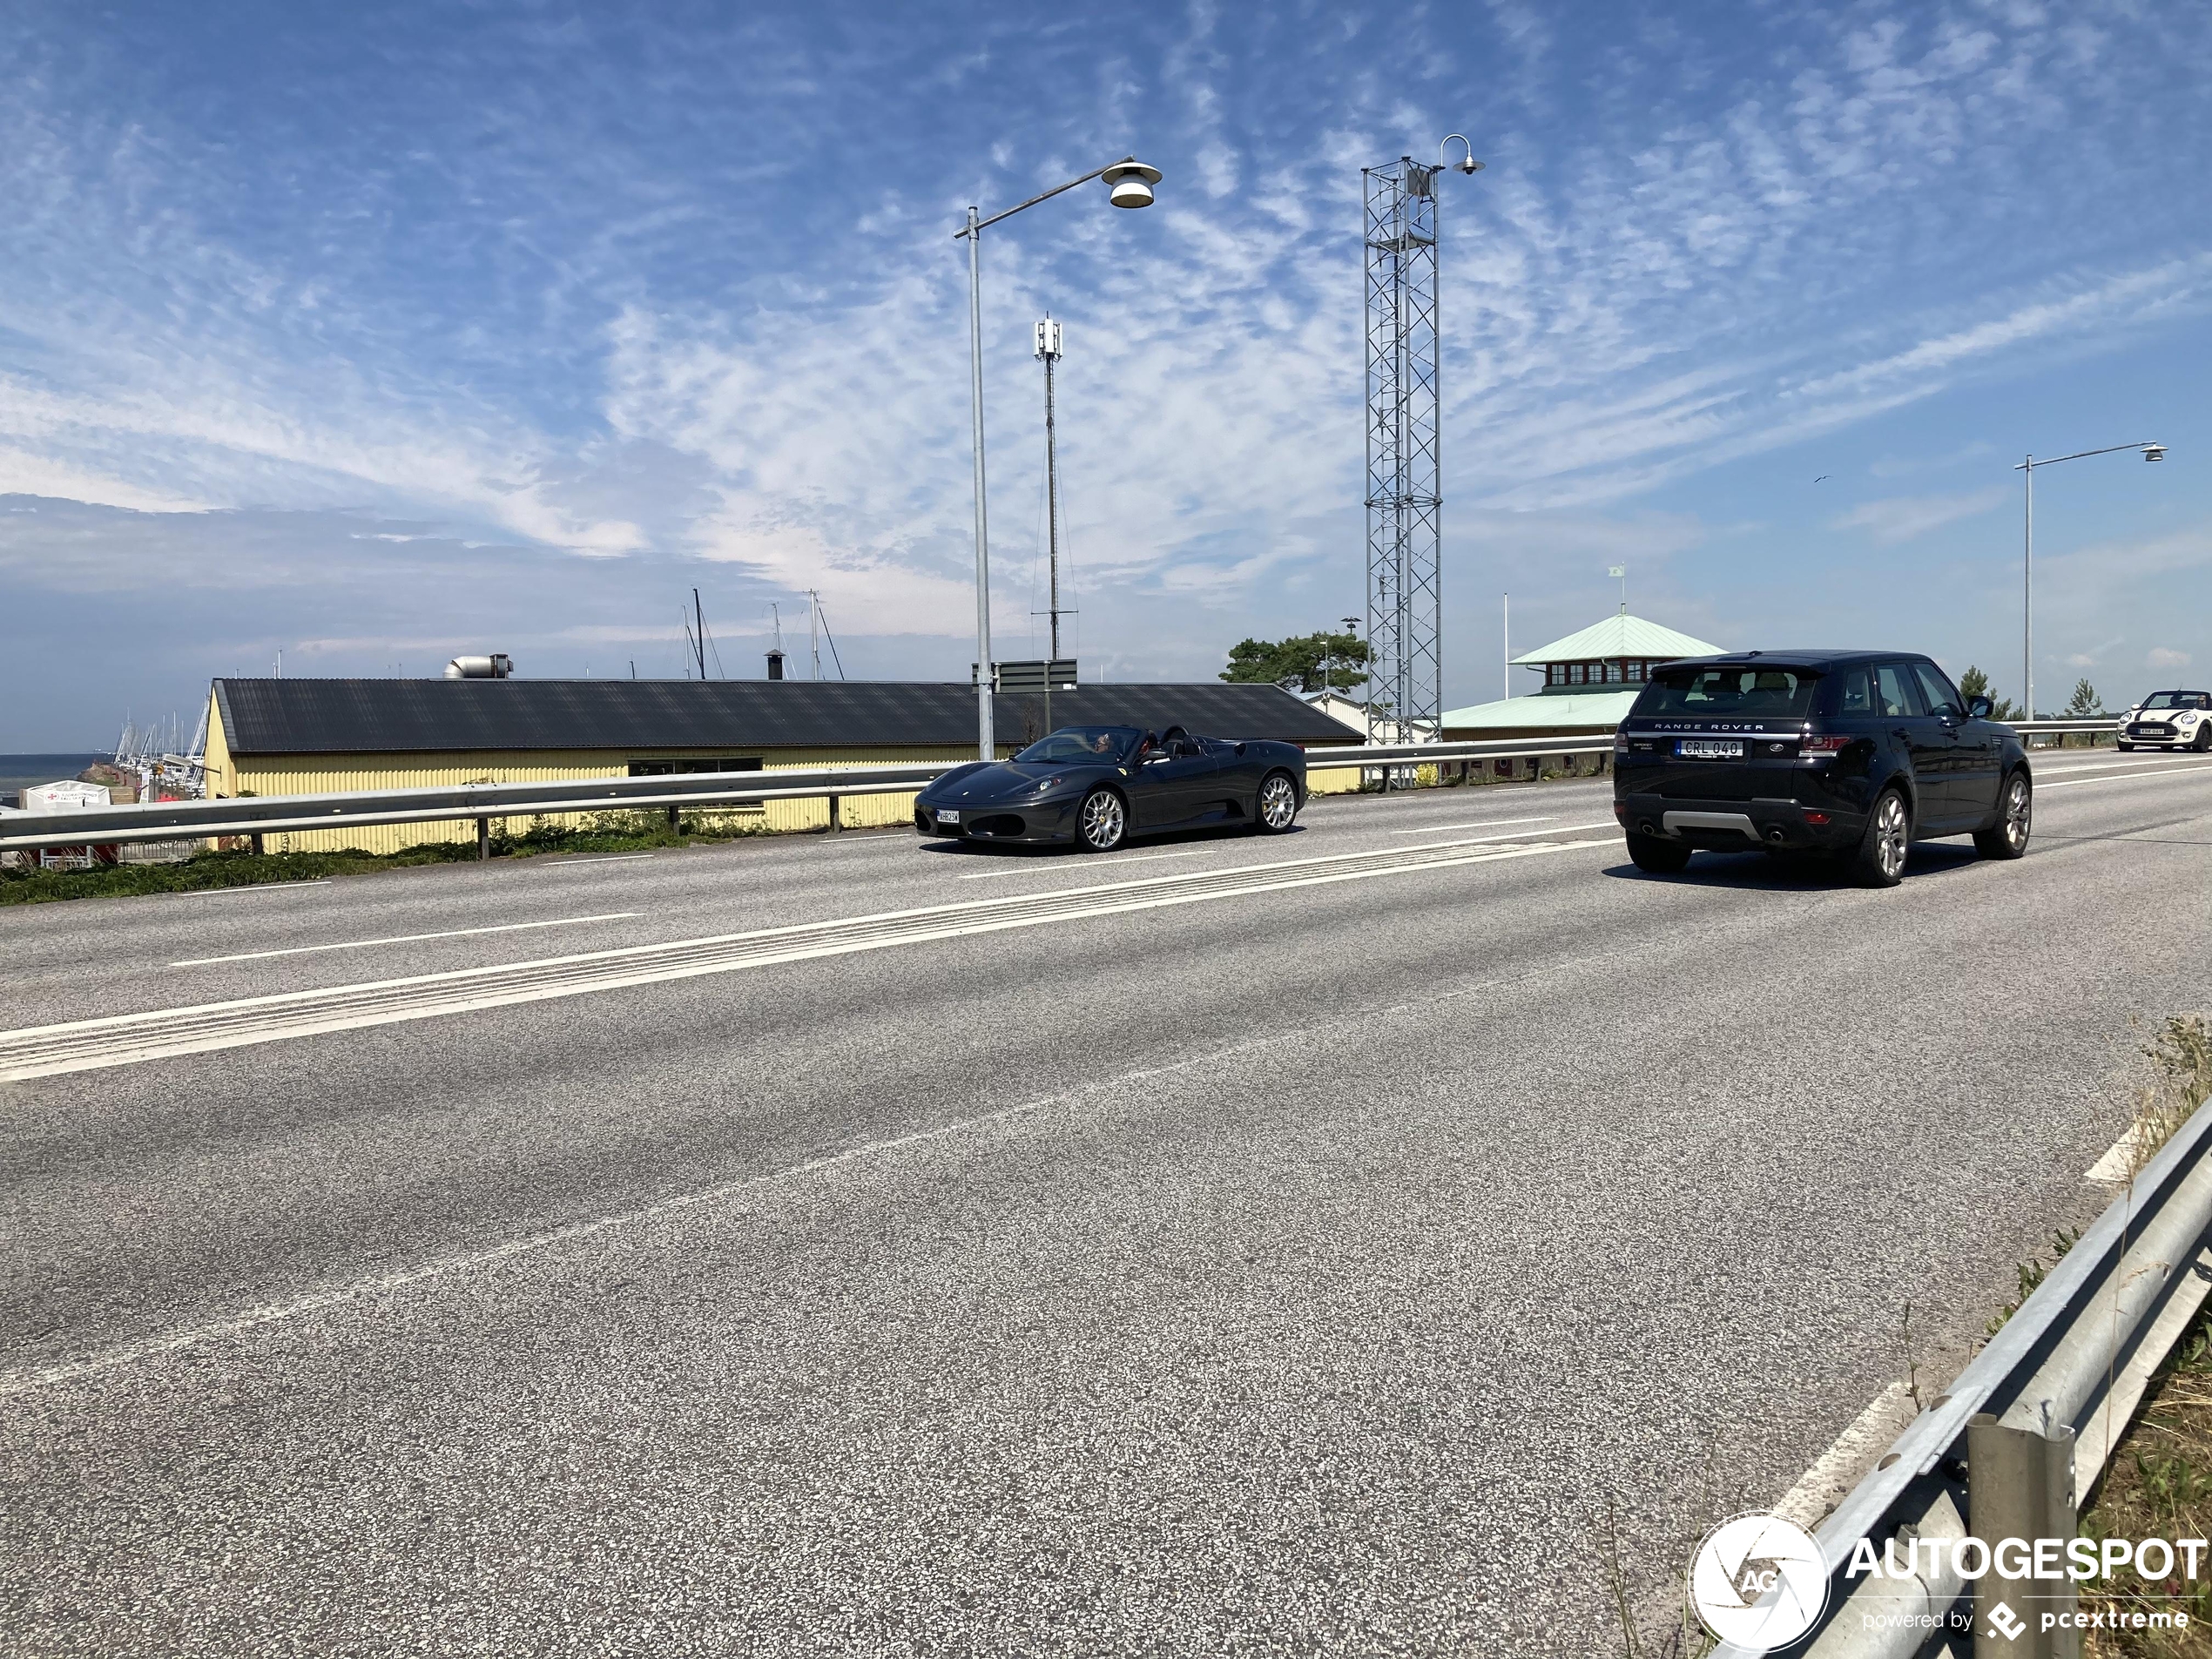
x=1739 y=825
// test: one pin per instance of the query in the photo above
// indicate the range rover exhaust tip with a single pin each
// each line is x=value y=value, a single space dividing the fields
x=1775 y=835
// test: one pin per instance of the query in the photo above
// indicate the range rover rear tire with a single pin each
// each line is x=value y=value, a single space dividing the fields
x=1879 y=862
x=1656 y=855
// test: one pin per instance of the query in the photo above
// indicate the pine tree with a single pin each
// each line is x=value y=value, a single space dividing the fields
x=1974 y=683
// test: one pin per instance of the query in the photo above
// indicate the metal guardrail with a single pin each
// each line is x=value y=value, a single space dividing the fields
x=264 y=814
x=257 y=815
x=2075 y=1357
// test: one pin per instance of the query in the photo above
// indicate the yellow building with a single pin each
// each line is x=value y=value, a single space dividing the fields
x=293 y=736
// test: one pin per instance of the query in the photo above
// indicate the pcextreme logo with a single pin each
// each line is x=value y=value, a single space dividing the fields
x=1758 y=1580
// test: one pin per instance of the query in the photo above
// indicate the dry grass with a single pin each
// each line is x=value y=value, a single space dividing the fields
x=2158 y=1484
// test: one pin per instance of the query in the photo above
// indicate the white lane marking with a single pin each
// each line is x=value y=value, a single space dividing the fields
x=152 y=1347
x=1835 y=1471
x=1087 y=864
x=2118 y=1163
x=602 y=858
x=2127 y=777
x=2065 y=770
x=1486 y=823
x=123 y=1039
x=405 y=938
x=259 y=886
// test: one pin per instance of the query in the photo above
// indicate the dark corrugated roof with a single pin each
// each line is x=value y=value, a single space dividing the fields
x=401 y=716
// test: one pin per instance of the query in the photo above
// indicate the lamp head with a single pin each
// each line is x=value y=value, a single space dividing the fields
x=1128 y=182
x=2154 y=452
x=1466 y=163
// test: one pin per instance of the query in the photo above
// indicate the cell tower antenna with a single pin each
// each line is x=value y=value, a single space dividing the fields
x=1405 y=410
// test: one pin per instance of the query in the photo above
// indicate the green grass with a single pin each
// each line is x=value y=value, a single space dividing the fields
x=206 y=872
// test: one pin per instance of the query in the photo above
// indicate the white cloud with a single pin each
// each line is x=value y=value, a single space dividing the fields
x=1899 y=518
x=2166 y=656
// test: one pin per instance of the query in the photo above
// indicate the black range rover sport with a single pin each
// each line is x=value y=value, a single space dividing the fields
x=1849 y=755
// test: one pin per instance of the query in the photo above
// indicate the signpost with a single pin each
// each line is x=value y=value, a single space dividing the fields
x=1042 y=675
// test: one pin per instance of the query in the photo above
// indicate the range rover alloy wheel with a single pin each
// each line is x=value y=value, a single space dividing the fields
x=2008 y=836
x=1101 y=822
x=1879 y=862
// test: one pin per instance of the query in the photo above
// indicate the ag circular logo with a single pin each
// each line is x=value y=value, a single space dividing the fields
x=1759 y=1581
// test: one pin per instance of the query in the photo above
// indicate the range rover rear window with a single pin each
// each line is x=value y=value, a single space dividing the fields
x=1730 y=693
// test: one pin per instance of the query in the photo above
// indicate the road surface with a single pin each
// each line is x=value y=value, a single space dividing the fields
x=858 y=1246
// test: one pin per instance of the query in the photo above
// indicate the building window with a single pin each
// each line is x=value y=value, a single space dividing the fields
x=667 y=768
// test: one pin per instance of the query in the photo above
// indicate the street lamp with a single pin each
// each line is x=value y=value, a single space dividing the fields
x=2027 y=470
x=1129 y=183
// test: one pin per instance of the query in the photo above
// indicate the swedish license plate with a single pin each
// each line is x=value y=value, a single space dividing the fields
x=948 y=815
x=1710 y=748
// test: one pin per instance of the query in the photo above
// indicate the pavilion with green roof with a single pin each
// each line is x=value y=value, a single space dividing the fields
x=1590 y=679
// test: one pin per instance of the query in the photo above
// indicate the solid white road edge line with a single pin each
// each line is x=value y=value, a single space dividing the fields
x=259 y=886
x=1163 y=894
x=2127 y=777
x=1837 y=1470
x=405 y=939
x=1091 y=864
x=597 y=858
x=1488 y=823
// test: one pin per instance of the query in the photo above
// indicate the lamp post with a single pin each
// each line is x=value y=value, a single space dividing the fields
x=1129 y=183
x=2027 y=470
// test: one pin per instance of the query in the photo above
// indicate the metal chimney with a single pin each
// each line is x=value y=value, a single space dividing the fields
x=775 y=664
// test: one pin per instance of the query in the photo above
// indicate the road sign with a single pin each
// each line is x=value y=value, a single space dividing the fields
x=1057 y=675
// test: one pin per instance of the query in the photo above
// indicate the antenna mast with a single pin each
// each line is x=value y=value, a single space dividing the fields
x=1405 y=411
x=1049 y=352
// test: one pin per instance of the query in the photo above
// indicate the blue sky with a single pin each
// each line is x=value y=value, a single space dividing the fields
x=379 y=332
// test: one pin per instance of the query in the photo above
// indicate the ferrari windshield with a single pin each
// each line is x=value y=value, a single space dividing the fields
x=1110 y=744
x=2178 y=700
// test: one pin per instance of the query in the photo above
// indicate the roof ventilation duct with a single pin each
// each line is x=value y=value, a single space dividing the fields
x=497 y=666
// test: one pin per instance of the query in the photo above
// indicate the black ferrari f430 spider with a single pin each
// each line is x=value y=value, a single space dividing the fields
x=1095 y=786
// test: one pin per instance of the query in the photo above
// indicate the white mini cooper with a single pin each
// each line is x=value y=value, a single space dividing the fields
x=2169 y=720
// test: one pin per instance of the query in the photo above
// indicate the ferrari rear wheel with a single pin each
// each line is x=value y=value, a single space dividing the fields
x=1101 y=822
x=1278 y=804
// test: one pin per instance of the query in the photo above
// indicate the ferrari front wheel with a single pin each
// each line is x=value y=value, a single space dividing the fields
x=1278 y=804
x=1101 y=822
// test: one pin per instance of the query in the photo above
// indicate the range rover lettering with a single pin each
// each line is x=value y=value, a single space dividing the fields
x=1842 y=757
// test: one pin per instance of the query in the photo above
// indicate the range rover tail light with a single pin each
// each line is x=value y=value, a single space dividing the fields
x=1822 y=746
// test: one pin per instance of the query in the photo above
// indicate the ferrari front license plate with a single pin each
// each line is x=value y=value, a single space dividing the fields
x=946 y=815
x=1710 y=748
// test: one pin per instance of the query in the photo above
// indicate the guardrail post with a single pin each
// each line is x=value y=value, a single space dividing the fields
x=836 y=823
x=257 y=843
x=483 y=837
x=2020 y=1490
x=674 y=823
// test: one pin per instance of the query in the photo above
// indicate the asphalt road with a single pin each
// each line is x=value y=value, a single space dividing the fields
x=1155 y=1254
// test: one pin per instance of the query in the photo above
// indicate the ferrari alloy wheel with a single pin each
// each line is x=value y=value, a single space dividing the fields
x=1879 y=862
x=1101 y=821
x=1278 y=803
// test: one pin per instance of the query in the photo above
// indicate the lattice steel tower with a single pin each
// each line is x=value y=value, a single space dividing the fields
x=1405 y=406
